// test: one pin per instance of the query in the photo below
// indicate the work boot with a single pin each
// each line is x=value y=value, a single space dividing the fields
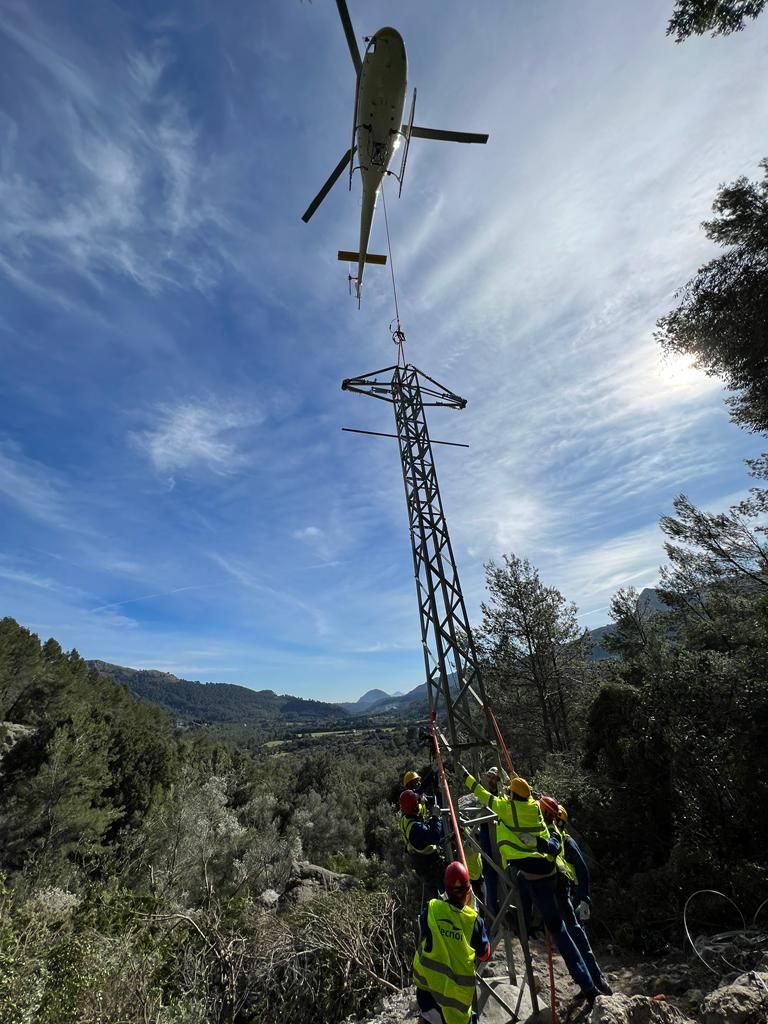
x=585 y=997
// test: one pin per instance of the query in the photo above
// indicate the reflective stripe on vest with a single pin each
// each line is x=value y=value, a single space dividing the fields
x=406 y=825
x=447 y=971
x=516 y=818
x=564 y=866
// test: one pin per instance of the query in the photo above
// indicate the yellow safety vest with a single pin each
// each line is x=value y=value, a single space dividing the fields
x=516 y=818
x=474 y=859
x=474 y=864
x=406 y=825
x=563 y=866
x=447 y=971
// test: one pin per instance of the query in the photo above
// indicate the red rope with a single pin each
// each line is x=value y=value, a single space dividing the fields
x=500 y=740
x=446 y=790
x=552 y=993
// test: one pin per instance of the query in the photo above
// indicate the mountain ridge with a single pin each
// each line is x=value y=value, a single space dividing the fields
x=220 y=703
x=234 y=703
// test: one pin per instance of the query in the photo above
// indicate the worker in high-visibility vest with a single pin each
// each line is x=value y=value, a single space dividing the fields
x=423 y=837
x=527 y=848
x=421 y=783
x=487 y=836
x=573 y=888
x=453 y=940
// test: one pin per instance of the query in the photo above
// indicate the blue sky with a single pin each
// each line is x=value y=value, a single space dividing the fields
x=175 y=490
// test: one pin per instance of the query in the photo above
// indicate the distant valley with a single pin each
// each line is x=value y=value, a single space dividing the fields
x=230 y=704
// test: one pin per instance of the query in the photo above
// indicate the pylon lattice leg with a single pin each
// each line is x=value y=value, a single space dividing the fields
x=455 y=688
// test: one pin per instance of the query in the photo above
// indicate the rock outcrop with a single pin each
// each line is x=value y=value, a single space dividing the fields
x=635 y=1010
x=308 y=880
x=744 y=1001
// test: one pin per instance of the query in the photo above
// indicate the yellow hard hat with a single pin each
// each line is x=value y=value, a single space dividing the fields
x=562 y=814
x=410 y=777
x=519 y=787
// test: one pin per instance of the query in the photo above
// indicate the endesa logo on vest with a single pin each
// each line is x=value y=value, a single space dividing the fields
x=451 y=932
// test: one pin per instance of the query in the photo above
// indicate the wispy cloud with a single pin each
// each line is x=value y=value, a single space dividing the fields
x=145 y=597
x=133 y=194
x=175 y=336
x=198 y=434
x=31 y=486
x=283 y=597
x=27 y=579
x=308 y=533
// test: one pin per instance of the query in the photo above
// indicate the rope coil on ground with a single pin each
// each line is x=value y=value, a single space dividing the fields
x=713 y=892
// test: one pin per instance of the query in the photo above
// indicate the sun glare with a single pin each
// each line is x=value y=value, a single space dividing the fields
x=678 y=374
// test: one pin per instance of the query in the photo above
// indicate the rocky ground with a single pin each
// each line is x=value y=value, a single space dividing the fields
x=673 y=990
x=726 y=984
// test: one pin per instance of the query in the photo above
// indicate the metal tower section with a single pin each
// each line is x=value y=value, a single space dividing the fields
x=454 y=680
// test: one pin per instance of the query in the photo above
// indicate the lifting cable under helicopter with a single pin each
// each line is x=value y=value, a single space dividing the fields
x=398 y=335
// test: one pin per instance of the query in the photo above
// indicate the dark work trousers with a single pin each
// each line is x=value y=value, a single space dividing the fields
x=543 y=892
x=431 y=1011
x=491 y=883
x=430 y=868
x=578 y=934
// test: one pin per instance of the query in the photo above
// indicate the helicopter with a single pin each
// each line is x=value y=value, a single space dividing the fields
x=378 y=131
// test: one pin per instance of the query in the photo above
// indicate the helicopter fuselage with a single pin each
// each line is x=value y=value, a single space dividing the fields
x=378 y=122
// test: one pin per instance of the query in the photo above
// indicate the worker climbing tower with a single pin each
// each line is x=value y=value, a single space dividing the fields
x=457 y=699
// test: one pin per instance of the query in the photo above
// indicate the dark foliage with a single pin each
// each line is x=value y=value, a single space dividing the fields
x=218 y=702
x=675 y=743
x=722 y=319
x=720 y=17
x=535 y=658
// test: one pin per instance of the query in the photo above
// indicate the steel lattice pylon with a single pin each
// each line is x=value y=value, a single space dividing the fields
x=453 y=675
x=454 y=680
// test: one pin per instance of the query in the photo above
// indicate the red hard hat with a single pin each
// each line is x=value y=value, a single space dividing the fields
x=456 y=877
x=549 y=806
x=409 y=802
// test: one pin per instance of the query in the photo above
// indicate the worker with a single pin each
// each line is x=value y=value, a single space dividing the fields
x=487 y=836
x=422 y=784
x=453 y=940
x=524 y=843
x=573 y=888
x=422 y=837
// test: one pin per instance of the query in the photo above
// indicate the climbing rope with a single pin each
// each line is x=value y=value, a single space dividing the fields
x=445 y=788
x=552 y=990
x=500 y=741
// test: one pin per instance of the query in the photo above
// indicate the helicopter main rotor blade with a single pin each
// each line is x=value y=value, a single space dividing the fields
x=333 y=178
x=349 y=32
x=441 y=136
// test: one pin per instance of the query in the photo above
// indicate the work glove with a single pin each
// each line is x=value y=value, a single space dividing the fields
x=528 y=840
x=435 y=811
x=583 y=912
